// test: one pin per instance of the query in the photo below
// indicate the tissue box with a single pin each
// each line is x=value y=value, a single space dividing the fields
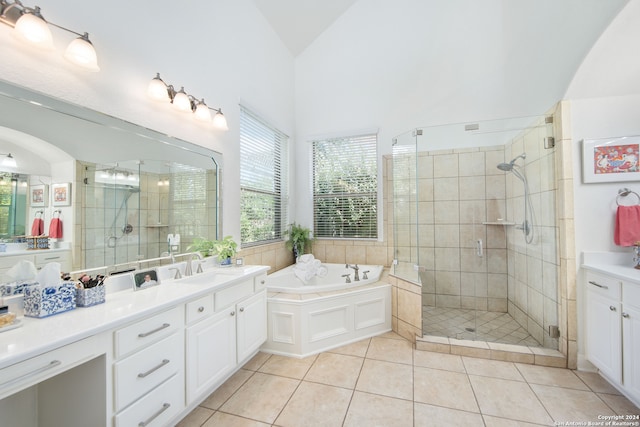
x=43 y=301
x=90 y=296
x=14 y=288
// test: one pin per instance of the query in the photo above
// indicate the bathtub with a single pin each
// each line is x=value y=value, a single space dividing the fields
x=285 y=280
x=306 y=319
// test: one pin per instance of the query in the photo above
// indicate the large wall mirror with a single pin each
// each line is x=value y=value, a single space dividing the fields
x=129 y=187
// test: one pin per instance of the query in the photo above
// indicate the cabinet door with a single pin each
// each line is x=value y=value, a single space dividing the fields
x=252 y=324
x=604 y=334
x=631 y=345
x=211 y=352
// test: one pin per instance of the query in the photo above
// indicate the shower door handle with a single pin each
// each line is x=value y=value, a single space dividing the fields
x=479 y=247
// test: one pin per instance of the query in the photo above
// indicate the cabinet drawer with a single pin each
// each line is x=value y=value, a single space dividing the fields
x=604 y=285
x=8 y=261
x=147 y=331
x=199 y=309
x=141 y=372
x=260 y=282
x=631 y=294
x=32 y=371
x=47 y=257
x=230 y=295
x=157 y=408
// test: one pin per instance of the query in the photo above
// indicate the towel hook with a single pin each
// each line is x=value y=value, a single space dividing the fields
x=624 y=192
x=57 y=211
x=40 y=212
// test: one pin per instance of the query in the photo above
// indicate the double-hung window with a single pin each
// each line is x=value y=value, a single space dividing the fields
x=345 y=187
x=264 y=180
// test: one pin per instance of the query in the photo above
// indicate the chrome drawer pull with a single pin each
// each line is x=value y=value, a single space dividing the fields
x=152 y=370
x=149 y=420
x=598 y=285
x=241 y=309
x=612 y=308
x=146 y=334
x=233 y=313
x=625 y=315
x=200 y=309
x=51 y=364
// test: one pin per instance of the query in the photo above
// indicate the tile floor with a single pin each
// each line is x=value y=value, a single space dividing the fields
x=488 y=326
x=383 y=381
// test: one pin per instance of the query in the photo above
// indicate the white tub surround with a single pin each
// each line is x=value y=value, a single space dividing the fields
x=612 y=319
x=302 y=323
x=286 y=280
x=123 y=362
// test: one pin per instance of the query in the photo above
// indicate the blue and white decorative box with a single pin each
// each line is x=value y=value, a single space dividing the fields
x=14 y=288
x=43 y=301
x=90 y=296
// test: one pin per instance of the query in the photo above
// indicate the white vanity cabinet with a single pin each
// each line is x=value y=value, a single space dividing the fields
x=613 y=330
x=38 y=257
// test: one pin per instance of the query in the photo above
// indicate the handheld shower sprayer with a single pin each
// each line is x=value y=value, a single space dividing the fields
x=527 y=225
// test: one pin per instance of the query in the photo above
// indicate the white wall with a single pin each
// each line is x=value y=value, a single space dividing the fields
x=223 y=51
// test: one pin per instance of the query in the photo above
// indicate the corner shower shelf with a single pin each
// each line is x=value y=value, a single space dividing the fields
x=498 y=223
x=156 y=225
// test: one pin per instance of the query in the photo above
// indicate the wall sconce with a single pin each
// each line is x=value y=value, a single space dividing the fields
x=29 y=26
x=9 y=161
x=158 y=90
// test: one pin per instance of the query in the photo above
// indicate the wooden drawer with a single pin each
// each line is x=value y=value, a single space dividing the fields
x=32 y=371
x=147 y=331
x=141 y=372
x=156 y=408
x=606 y=286
x=199 y=309
x=232 y=294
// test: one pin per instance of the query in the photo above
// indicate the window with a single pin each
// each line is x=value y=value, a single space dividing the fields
x=264 y=193
x=345 y=187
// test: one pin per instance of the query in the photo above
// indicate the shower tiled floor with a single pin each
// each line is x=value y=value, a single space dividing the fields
x=486 y=326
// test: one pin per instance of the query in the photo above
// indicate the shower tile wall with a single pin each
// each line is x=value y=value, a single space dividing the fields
x=459 y=190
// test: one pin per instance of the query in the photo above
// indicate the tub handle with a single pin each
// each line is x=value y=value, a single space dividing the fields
x=348 y=276
x=364 y=275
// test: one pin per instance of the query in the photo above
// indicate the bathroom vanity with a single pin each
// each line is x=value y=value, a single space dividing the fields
x=612 y=319
x=141 y=358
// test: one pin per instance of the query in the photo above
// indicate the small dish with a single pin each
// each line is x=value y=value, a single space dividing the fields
x=16 y=324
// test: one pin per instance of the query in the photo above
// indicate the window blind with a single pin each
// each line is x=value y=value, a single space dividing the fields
x=264 y=180
x=189 y=206
x=345 y=187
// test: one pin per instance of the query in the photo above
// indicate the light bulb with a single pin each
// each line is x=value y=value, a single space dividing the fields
x=157 y=89
x=81 y=52
x=202 y=112
x=31 y=28
x=181 y=101
x=9 y=161
x=219 y=121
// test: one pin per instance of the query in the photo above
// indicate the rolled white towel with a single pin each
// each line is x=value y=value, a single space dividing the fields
x=301 y=274
x=322 y=271
x=306 y=258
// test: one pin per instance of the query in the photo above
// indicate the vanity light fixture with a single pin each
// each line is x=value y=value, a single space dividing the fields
x=9 y=161
x=158 y=90
x=29 y=26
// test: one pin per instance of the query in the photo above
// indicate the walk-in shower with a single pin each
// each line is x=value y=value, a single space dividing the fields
x=449 y=200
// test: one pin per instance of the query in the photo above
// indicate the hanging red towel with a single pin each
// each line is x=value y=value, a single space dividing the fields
x=37 y=228
x=627 y=230
x=55 y=228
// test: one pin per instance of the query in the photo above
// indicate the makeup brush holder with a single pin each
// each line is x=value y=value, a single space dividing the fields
x=636 y=256
x=87 y=297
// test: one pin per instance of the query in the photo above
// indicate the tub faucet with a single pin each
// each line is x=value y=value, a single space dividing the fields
x=356 y=276
x=348 y=278
x=178 y=275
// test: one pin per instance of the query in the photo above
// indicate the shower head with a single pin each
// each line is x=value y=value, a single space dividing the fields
x=508 y=167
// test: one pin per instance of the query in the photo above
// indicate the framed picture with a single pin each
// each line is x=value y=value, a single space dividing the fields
x=61 y=194
x=39 y=195
x=145 y=279
x=611 y=159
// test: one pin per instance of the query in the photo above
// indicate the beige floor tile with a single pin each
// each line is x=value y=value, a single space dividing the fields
x=287 y=366
x=196 y=418
x=508 y=399
x=447 y=362
x=620 y=404
x=261 y=398
x=372 y=410
x=256 y=361
x=566 y=404
x=392 y=335
x=315 y=405
x=444 y=388
x=220 y=419
x=545 y=375
x=386 y=378
x=391 y=350
x=335 y=369
x=490 y=421
x=428 y=416
x=218 y=397
x=492 y=368
x=358 y=348
x=596 y=383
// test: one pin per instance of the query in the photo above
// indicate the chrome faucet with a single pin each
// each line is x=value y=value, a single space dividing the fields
x=348 y=278
x=178 y=275
x=356 y=276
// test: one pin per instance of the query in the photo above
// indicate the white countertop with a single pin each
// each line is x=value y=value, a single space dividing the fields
x=32 y=251
x=38 y=336
x=617 y=264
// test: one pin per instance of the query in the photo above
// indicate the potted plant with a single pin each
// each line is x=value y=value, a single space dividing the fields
x=202 y=245
x=299 y=239
x=225 y=249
